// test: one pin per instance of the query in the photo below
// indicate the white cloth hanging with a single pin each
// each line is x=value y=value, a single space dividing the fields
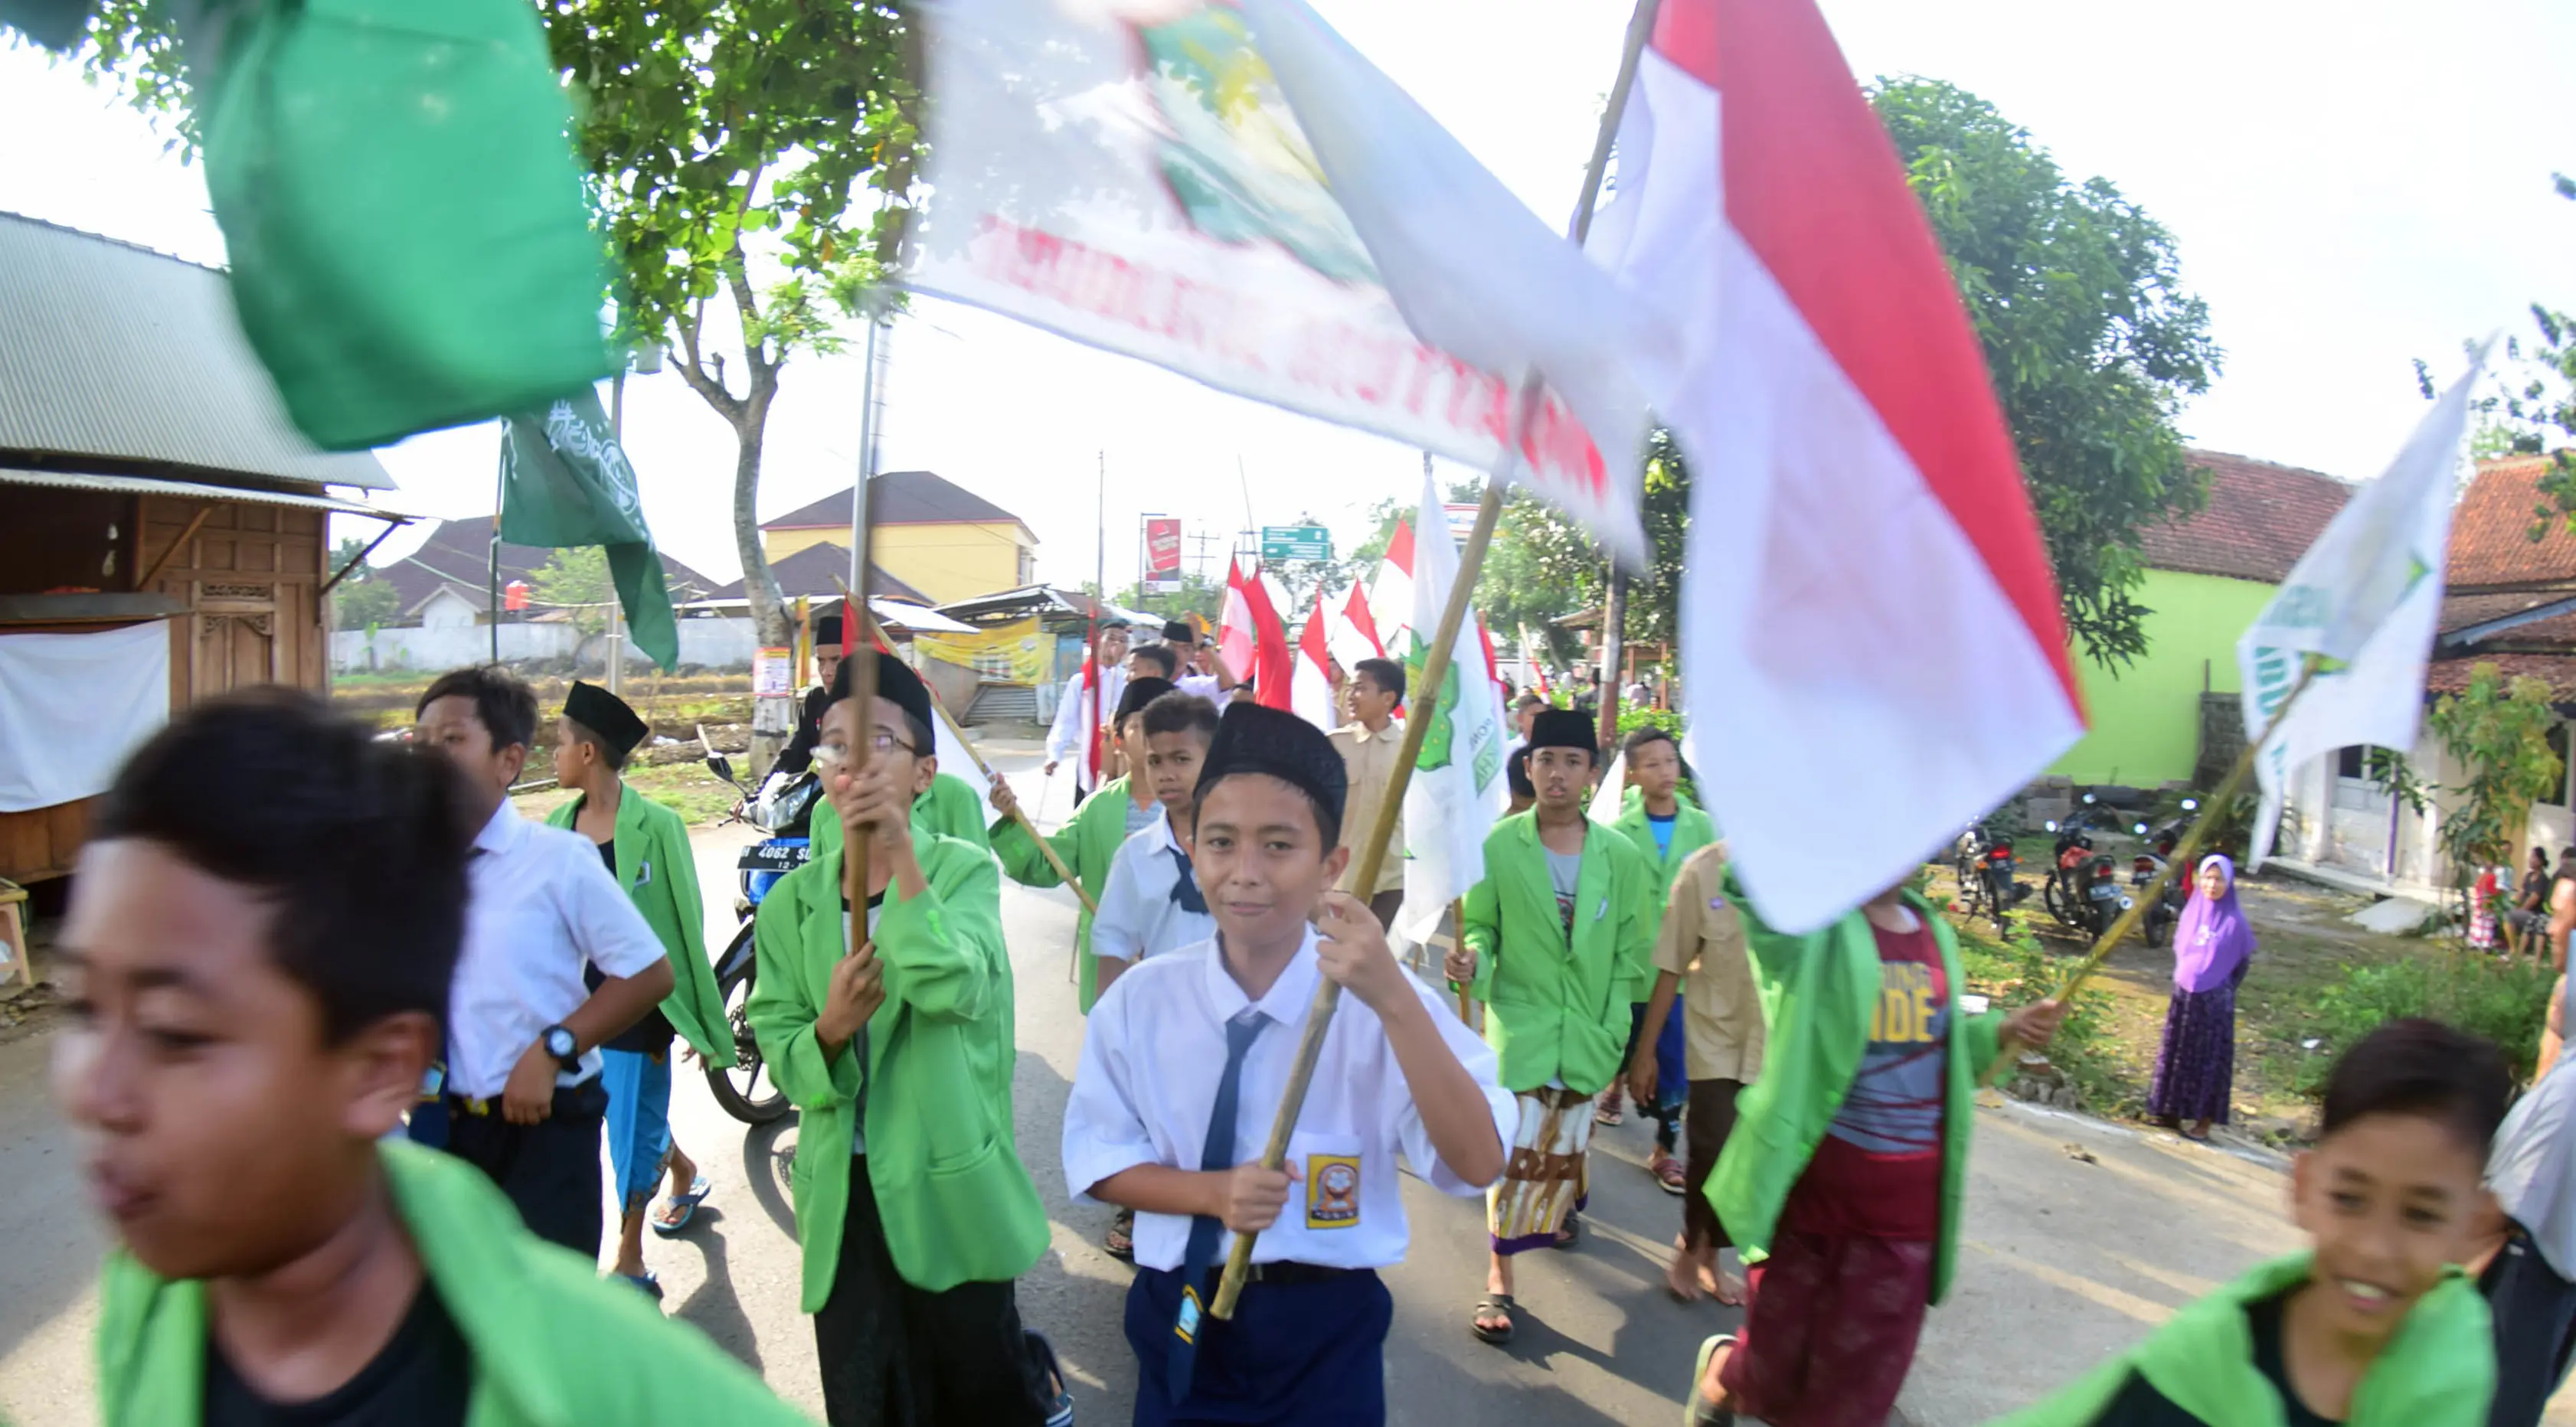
x=72 y=706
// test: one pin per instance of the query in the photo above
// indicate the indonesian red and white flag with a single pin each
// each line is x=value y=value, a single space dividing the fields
x=1228 y=189
x=1310 y=687
x=1273 y=663
x=1869 y=625
x=1390 y=596
x=1236 y=639
x=1354 y=630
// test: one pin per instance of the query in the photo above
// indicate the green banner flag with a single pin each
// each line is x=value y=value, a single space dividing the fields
x=566 y=481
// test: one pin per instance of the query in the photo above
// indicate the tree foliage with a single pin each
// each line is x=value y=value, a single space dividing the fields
x=2529 y=407
x=576 y=579
x=363 y=600
x=2093 y=344
x=2499 y=734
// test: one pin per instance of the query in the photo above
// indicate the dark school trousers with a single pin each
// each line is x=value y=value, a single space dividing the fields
x=895 y=1356
x=1293 y=1354
x=2535 y=1329
x=549 y=1170
x=1711 y=1118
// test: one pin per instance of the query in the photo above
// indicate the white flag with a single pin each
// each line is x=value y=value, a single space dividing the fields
x=1458 y=790
x=1231 y=191
x=2365 y=601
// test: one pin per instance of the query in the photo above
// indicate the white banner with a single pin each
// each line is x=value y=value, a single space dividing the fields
x=73 y=705
x=1458 y=790
x=2365 y=601
x=1234 y=193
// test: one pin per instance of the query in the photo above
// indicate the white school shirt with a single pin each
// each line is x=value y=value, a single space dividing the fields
x=1205 y=686
x=539 y=907
x=1137 y=916
x=1151 y=1058
x=1067 y=739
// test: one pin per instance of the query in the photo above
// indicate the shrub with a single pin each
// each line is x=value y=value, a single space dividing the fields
x=2506 y=1002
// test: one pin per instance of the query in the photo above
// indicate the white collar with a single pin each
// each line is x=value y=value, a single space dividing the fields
x=502 y=830
x=1288 y=995
x=1160 y=829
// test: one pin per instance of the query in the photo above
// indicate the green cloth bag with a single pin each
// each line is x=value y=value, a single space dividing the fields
x=397 y=189
x=566 y=481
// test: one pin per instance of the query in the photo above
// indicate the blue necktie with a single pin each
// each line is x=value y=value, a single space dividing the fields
x=1185 y=893
x=1217 y=1154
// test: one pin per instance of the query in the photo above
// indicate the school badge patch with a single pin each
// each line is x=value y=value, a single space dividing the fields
x=1332 y=1191
x=1186 y=1326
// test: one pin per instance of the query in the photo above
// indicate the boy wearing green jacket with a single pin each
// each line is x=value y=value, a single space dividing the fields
x=257 y=959
x=645 y=847
x=1555 y=942
x=1667 y=829
x=1846 y=1160
x=895 y=1041
x=1088 y=843
x=2373 y=1325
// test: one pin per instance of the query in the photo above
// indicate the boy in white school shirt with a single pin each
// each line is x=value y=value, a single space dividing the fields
x=1152 y=903
x=1184 y=1062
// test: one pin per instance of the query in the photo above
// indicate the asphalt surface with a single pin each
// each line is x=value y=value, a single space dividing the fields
x=2079 y=1238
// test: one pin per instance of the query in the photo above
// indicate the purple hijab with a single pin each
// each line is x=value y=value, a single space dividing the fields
x=2214 y=939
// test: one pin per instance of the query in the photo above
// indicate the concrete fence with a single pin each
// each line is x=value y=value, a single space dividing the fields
x=706 y=643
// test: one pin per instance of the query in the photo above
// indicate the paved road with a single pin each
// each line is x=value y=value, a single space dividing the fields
x=2068 y=1256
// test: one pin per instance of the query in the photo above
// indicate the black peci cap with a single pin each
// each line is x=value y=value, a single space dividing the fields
x=1254 y=739
x=1140 y=692
x=1563 y=728
x=607 y=715
x=827 y=631
x=896 y=681
x=1176 y=631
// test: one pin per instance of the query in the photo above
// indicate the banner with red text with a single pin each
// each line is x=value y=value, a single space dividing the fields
x=1226 y=188
x=1162 y=555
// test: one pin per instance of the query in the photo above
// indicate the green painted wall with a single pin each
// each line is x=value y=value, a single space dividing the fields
x=2145 y=719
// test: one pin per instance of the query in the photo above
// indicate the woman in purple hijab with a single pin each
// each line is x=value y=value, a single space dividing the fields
x=2196 y=1067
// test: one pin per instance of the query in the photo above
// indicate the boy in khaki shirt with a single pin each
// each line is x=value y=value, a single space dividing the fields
x=1702 y=939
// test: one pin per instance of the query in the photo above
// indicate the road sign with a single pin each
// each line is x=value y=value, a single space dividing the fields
x=1296 y=542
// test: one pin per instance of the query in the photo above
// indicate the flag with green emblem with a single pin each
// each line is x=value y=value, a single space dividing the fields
x=564 y=482
x=1457 y=790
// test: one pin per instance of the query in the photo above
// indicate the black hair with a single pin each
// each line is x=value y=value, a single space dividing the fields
x=1644 y=734
x=609 y=753
x=503 y=702
x=1180 y=713
x=1162 y=656
x=359 y=846
x=1387 y=674
x=2414 y=1066
x=1516 y=768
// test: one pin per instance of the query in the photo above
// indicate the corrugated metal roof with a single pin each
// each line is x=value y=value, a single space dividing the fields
x=118 y=353
x=193 y=490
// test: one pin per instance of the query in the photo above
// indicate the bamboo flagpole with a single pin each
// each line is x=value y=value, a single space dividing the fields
x=1018 y=814
x=1435 y=667
x=2183 y=853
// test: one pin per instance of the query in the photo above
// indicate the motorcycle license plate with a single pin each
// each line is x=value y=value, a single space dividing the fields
x=773 y=857
x=2104 y=891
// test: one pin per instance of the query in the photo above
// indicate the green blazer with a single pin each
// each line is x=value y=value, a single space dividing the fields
x=658 y=871
x=2438 y=1370
x=952 y=808
x=554 y=1345
x=1087 y=844
x=955 y=1200
x=1557 y=1010
x=1817 y=994
x=1692 y=830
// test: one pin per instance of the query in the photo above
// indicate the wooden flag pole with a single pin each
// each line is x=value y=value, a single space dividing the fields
x=2228 y=788
x=863 y=692
x=1435 y=668
x=1018 y=814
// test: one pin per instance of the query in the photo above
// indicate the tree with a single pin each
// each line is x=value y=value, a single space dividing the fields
x=2530 y=407
x=576 y=579
x=361 y=601
x=2093 y=345
x=725 y=142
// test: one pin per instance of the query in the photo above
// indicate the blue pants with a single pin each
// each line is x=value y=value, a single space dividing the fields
x=1672 y=1085
x=1294 y=1353
x=639 y=1121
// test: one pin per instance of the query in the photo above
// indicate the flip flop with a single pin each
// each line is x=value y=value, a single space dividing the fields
x=1696 y=1410
x=1567 y=1234
x=1672 y=1176
x=1042 y=1352
x=687 y=1204
x=1487 y=1307
x=647 y=1282
x=1120 y=1242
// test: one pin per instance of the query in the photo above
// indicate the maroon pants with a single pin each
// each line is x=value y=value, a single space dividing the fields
x=1830 y=1331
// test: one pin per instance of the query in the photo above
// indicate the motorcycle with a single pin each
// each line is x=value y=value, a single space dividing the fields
x=2167 y=909
x=1985 y=867
x=785 y=813
x=2083 y=889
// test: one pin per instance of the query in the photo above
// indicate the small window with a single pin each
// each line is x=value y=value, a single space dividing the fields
x=2353 y=761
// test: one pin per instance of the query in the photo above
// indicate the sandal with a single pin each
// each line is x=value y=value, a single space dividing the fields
x=1060 y=1395
x=1120 y=1242
x=1567 y=1233
x=1610 y=1112
x=1698 y=1411
x=687 y=1204
x=649 y=1283
x=1491 y=1305
x=1669 y=1173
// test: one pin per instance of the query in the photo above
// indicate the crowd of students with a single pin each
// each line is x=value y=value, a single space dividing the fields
x=348 y=1033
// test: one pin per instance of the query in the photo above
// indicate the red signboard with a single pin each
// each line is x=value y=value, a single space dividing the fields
x=1162 y=549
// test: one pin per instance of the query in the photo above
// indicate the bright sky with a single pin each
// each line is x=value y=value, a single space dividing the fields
x=2352 y=185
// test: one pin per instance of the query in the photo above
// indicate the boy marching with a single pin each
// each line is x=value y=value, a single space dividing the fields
x=1667 y=830
x=1555 y=943
x=1185 y=1041
x=645 y=846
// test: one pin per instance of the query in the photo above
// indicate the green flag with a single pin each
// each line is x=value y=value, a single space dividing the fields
x=566 y=481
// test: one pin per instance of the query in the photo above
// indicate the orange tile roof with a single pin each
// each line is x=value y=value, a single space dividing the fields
x=2558 y=671
x=2259 y=519
x=2491 y=544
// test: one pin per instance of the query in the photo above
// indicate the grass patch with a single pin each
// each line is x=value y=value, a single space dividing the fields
x=2017 y=972
x=2506 y=1002
x=698 y=796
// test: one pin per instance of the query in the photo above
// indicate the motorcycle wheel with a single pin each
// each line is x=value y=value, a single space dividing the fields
x=743 y=1088
x=2055 y=899
x=1972 y=884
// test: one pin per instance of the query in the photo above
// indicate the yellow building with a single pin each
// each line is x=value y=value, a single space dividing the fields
x=932 y=534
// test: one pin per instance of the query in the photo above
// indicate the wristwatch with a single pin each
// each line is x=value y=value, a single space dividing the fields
x=559 y=1043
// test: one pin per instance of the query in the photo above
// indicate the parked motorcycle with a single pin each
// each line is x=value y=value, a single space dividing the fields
x=785 y=813
x=2083 y=889
x=1985 y=867
x=2167 y=908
